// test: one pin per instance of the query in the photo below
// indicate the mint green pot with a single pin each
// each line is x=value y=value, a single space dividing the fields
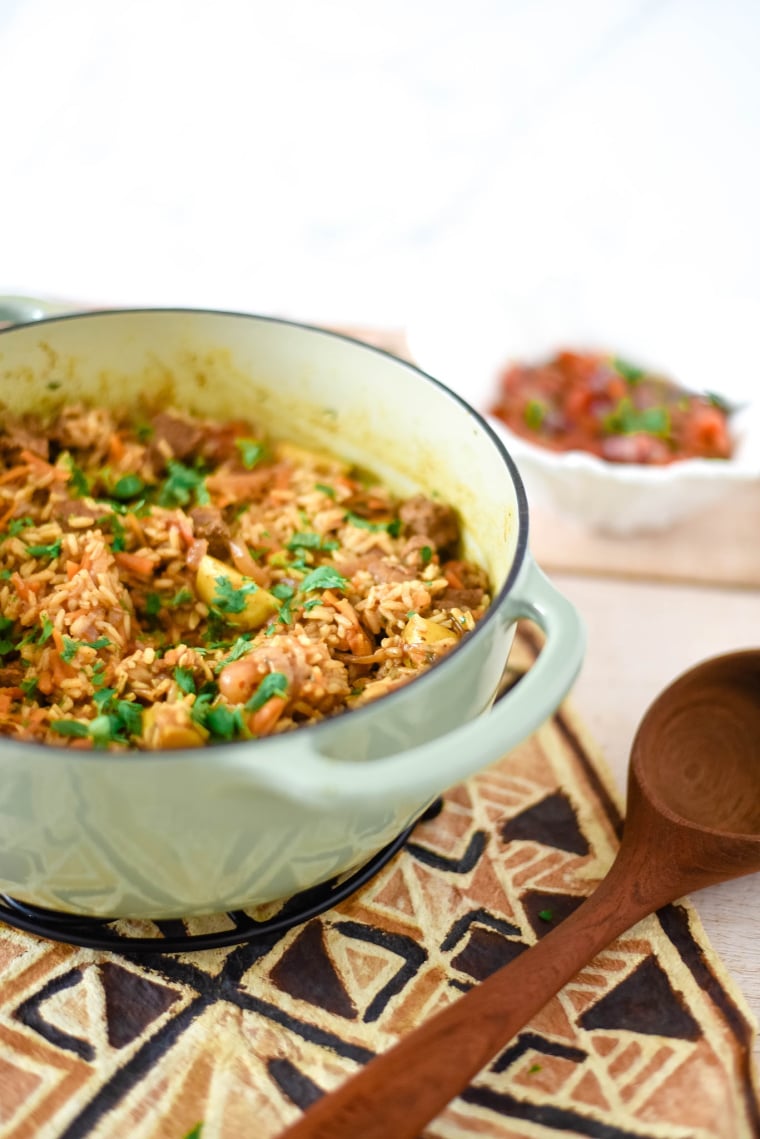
x=189 y=832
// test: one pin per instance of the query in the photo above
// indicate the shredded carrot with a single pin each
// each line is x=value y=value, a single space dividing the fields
x=228 y=487
x=58 y=668
x=185 y=530
x=7 y=696
x=72 y=569
x=133 y=523
x=24 y=588
x=45 y=682
x=453 y=578
x=347 y=484
x=14 y=473
x=135 y=563
x=33 y=460
x=115 y=447
x=5 y=518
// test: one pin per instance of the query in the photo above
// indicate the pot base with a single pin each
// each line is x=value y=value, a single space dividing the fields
x=176 y=936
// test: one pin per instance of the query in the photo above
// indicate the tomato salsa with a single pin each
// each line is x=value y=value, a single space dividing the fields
x=584 y=401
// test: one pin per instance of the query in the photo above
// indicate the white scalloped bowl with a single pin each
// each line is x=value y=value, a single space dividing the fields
x=617 y=498
x=628 y=498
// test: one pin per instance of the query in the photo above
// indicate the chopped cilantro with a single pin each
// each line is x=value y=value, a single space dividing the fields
x=323 y=577
x=29 y=687
x=273 y=684
x=181 y=485
x=130 y=715
x=77 y=478
x=239 y=648
x=298 y=565
x=5 y=575
x=201 y=707
x=534 y=1068
x=101 y=730
x=229 y=598
x=546 y=915
x=628 y=420
x=534 y=414
x=328 y=490
x=128 y=486
x=115 y=525
x=282 y=591
x=393 y=527
x=184 y=679
x=117 y=719
x=312 y=603
x=100 y=643
x=6 y=647
x=719 y=402
x=104 y=697
x=52 y=550
x=251 y=452
x=181 y=597
x=37 y=636
x=19 y=524
x=144 y=432
x=70 y=728
x=285 y=614
x=152 y=604
x=426 y=554
x=224 y=723
x=70 y=649
x=308 y=540
x=630 y=372
x=195 y=1132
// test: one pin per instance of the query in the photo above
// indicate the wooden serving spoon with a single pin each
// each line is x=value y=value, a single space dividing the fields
x=693 y=819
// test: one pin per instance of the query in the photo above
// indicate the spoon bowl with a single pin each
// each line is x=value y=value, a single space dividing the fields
x=708 y=724
x=693 y=819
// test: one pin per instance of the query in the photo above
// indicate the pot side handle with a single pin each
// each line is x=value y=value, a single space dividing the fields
x=25 y=310
x=426 y=771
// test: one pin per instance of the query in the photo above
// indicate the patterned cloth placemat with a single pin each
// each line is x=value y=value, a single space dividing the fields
x=652 y=1039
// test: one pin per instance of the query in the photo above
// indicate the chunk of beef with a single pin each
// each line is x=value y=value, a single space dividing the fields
x=460 y=599
x=438 y=523
x=173 y=438
x=11 y=675
x=66 y=510
x=209 y=524
x=22 y=435
x=464 y=575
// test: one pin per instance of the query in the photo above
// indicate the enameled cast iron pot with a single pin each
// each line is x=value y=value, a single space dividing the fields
x=166 y=834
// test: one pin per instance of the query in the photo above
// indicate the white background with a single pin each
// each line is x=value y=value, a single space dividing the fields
x=587 y=166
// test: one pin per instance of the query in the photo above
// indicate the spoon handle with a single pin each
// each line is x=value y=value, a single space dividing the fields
x=402 y=1089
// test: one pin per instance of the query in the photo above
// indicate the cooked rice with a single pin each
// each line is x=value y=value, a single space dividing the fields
x=158 y=584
